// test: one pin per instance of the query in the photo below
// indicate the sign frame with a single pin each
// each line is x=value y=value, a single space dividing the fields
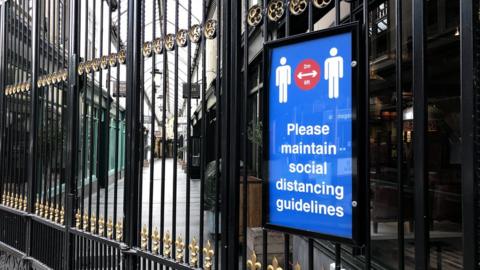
x=359 y=212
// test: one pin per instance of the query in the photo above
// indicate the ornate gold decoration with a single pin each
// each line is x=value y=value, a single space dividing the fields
x=85 y=221
x=28 y=86
x=253 y=264
x=119 y=231
x=24 y=203
x=112 y=60
x=52 y=212
x=81 y=69
x=182 y=36
x=147 y=49
x=62 y=215
x=195 y=33
x=57 y=214
x=155 y=241
x=93 y=222
x=101 y=226
x=208 y=252
x=49 y=79
x=78 y=221
x=321 y=3
x=64 y=75
x=255 y=15
x=109 y=228
x=193 y=247
x=87 y=67
x=56 y=77
x=170 y=42
x=297 y=267
x=122 y=56
x=4 y=197
x=96 y=64
x=297 y=7
x=104 y=62
x=210 y=29
x=274 y=265
x=40 y=208
x=167 y=245
x=158 y=45
x=179 y=248
x=144 y=238
x=275 y=11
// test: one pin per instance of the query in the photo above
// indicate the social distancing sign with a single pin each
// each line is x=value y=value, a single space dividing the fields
x=310 y=135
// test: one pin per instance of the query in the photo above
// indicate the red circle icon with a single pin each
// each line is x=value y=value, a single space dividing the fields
x=307 y=74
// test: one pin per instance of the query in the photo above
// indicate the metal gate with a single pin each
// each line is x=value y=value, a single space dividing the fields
x=130 y=134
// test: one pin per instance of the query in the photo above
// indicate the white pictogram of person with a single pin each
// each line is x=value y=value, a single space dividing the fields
x=333 y=73
x=283 y=79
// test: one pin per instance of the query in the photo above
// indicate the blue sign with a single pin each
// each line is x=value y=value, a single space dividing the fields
x=310 y=135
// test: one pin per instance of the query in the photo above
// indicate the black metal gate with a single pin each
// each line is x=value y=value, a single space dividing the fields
x=130 y=134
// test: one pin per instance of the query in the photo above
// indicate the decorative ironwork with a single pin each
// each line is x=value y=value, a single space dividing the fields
x=147 y=49
x=253 y=264
x=167 y=245
x=119 y=231
x=255 y=15
x=109 y=228
x=297 y=266
x=81 y=69
x=57 y=214
x=101 y=226
x=88 y=67
x=321 y=3
x=182 y=36
x=158 y=45
x=122 y=56
x=170 y=42
x=208 y=252
x=112 y=59
x=144 y=238
x=276 y=10
x=51 y=211
x=62 y=215
x=179 y=248
x=274 y=265
x=93 y=222
x=210 y=29
x=85 y=221
x=24 y=203
x=194 y=248
x=95 y=65
x=104 y=62
x=155 y=241
x=78 y=220
x=195 y=33
x=297 y=7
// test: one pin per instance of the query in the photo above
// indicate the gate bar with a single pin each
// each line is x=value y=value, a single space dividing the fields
x=32 y=158
x=134 y=136
x=3 y=72
x=189 y=139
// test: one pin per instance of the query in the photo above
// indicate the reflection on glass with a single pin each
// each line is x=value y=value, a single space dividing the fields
x=443 y=135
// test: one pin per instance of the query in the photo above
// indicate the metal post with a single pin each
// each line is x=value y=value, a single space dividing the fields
x=32 y=158
x=3 y=73
x=72 y=131
x=468 y=98
x=419 y=142
x=134 y=135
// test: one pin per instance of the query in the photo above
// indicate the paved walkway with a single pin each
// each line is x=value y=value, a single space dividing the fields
x=156 y=205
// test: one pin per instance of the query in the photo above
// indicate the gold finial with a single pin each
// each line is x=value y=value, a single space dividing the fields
x=101 y=226
x=78 y=217
x=51 y=212
x=40 y=208
x=24 y=203
x=93 y=222
x=208 y=251
x=4 y=197
x=85 y=221
x=119 y=231
x=109 y=228
x=8 y=199
x=253 y=264
x=155 y=241
x=193 y=247
x=57 y=214
x=297 y=267
x=16 y=199
x=62 y=215
x=179 y=247
x=274 y=265
x=167 y=245
x=144 y=238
